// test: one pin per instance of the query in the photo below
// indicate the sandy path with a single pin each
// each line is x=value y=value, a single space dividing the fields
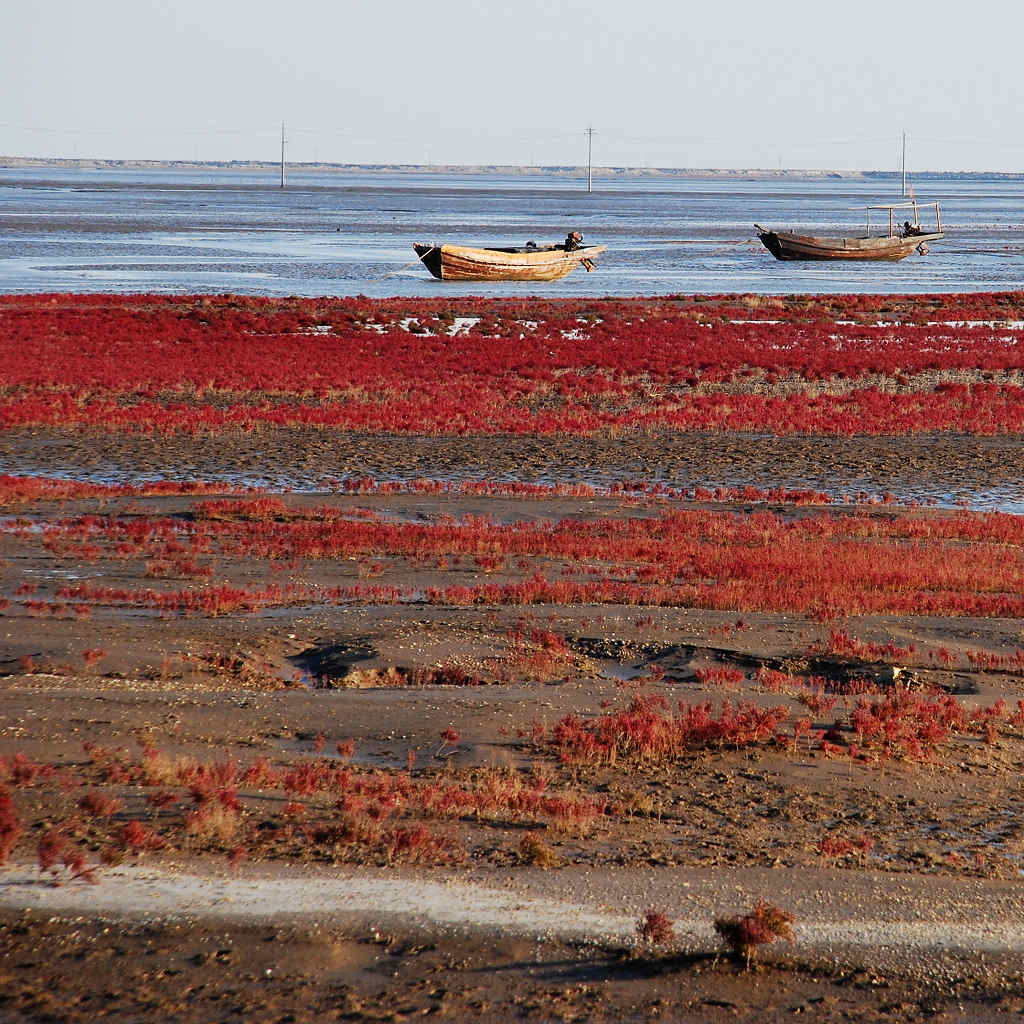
x=835 y=915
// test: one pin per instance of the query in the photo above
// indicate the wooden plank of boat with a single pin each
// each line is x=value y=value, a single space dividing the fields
x=786 y=246
x=466 y=263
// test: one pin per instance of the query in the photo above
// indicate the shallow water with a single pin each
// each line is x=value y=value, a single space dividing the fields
x=349 y=234
x=1004 y=499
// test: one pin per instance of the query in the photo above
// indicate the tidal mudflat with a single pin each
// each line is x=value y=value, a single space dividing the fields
x=391 y=659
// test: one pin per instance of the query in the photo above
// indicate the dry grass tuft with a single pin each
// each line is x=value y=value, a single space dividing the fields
x=533 y=850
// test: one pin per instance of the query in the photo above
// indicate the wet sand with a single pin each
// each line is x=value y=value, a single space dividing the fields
x=945 y=468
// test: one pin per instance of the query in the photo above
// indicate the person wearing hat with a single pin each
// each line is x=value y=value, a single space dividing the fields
x=573 y=241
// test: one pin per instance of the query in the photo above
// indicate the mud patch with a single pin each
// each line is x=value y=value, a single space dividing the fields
x=330 y=664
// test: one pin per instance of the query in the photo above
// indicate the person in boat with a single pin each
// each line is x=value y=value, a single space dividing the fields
x=911 y=229
x=573 y=241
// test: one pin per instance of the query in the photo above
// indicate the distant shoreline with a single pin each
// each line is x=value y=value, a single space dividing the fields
x=66 y=163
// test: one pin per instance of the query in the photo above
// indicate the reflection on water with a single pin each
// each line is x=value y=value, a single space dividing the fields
x=189 y=231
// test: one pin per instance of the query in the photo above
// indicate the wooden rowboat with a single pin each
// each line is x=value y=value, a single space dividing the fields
x=511 y=263
x=785 y=246
x=900 y=242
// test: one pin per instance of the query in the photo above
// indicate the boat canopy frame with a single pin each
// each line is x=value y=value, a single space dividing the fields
x=913 y=204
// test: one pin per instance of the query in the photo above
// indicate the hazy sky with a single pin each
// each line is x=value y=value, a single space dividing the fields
x=663 y=82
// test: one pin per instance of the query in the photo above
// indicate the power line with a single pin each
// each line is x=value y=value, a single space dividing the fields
x=42 y=130
x=262 y=129
x=671 y=144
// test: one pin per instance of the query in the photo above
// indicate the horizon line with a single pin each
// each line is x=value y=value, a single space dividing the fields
x=87 y=163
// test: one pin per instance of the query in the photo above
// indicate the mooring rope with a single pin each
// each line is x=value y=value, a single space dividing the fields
x=700 y=241
x=726 y=244
x=732 y=245
x=405 y=266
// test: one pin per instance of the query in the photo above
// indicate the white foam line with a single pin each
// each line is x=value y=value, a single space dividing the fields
x=154 y=892
x=133 y=891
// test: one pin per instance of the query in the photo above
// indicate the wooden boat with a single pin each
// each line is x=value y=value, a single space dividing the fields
x=511 y=263
x=900 y=242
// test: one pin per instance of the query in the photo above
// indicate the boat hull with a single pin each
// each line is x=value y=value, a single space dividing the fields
x=465 y=263
x=785 y=246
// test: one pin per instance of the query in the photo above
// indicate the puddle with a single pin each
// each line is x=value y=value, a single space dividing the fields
x=623 y=673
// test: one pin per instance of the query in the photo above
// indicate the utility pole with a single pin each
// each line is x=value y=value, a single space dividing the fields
x=282 y=154
x=904 y=165
x=590 y=159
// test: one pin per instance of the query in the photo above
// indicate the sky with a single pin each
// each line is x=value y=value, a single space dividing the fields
x=663 y=83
